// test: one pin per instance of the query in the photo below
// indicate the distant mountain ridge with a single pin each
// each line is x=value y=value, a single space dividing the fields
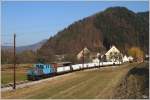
x=32 y=47
x=117 y=26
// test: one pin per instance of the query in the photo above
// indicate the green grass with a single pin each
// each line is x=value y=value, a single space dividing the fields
x=7 y=77
x=91 y=84
x=7 y=73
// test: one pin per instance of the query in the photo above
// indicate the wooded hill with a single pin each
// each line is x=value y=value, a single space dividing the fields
x=113 y=26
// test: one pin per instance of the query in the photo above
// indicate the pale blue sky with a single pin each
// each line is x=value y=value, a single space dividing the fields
x=35 y=21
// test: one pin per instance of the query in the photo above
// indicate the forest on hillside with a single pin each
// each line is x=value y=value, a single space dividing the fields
x=114 y=26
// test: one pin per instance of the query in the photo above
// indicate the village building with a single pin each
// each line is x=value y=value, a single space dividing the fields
x=147 y=57
x=113 y=54
x=96 y=60
x=125 y=59
x=99 y=58
x=130 y=58
x=93 y=55
x=59 y=57
x=85 y=52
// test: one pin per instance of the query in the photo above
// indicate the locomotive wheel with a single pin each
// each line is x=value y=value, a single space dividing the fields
x=114 y=64
x=33 y=78
x=37 y=77
x=30 y=78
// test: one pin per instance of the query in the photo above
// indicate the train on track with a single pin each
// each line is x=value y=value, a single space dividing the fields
x=40 y=71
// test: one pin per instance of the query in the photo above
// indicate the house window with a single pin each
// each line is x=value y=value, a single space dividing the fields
x=111 y=53
x=115 y=53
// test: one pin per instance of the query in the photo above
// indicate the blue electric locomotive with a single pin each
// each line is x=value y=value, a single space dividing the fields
x=40 y=71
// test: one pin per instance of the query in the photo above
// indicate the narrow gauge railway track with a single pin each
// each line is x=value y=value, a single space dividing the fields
x=22 y=84
x=11 y=84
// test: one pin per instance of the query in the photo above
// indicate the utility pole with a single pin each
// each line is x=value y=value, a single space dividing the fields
x=14 y=86
x=99 y=60
x=102 y=59
x=98 y=56
x=83 y=59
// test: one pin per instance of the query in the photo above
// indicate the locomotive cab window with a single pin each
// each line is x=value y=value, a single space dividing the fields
x=37 y=66
x=46 y=66
x=41 y=66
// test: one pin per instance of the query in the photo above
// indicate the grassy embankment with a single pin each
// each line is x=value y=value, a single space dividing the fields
x=135 y=84
x=99 y=83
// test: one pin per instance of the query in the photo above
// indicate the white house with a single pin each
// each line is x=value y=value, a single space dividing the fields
x=112 y=54
x=96 y=60
x=130 y=58
x=125 y=59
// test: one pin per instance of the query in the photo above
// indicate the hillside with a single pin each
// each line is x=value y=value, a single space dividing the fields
x=115 y=25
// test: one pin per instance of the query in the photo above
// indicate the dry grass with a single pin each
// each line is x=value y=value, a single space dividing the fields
x=135 y=85
x=7 y=72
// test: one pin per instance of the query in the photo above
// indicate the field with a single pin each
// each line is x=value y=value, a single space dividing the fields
x=7 y=72
x=86 y=84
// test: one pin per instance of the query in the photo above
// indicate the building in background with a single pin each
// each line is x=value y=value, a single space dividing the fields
x=125 y=59
x=113 y=54
x=85 y=52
